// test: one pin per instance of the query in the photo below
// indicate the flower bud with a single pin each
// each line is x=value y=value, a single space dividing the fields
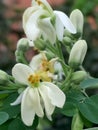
x=77 y=123
x=77 y=19
x=49 y=55
x=40 y=44
x=67 y=40
x=77 y=53
x=3 y=77
x=23 y=44
x=78 y=76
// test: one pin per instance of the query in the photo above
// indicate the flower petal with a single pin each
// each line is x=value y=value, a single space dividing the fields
x=59 y=28
x=66 y=21
x=56 y=96
x=31 y=43
x=18 y=100
x=31 y=29
x=27 y=112
x=28 y=12
x=45 y=3
x=35 y=101
x=47 y=29
x=35 y=62
x=49 y=107
x=21 y=72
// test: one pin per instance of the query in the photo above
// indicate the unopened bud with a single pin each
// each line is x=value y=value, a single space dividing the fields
x=23 y=44
x=77 y=19
x=67 y=40
x=78 y=76
x=77 y=53
x=40 y=44
x=3 y=77
x=17 y=54
x=49 y=55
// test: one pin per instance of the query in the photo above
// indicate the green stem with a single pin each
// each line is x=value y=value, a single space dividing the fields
x=83 y=91
x=66 y=83
x=51 y=48
x=60 y=55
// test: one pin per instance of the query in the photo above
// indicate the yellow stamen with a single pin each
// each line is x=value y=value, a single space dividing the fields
x=39 y=2
x=47 y=66
x=34 y=79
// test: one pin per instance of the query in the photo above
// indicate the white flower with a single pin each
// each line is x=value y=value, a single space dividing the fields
x=41 y=62
x=38 y=95
x=37 y=22
x=62 y=21
x=35 y=26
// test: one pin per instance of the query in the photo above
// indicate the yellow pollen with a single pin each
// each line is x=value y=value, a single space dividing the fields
x=45 y=65
x=33 y=79
x=39 y=2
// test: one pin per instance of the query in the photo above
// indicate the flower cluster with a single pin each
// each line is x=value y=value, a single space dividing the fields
x=41 y=23
x=44 y=82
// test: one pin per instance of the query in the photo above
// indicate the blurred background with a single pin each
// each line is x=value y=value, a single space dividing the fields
x=11 y=31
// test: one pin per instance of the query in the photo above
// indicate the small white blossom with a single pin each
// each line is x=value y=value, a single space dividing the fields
x=37 y=22
x=40 y=94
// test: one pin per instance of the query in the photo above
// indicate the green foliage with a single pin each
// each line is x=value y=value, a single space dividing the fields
x=89 y=108
x=17 y=124
x=89 y=83
x=12 y=111
x=85 y=6
x=69 y=109
x=3 y=117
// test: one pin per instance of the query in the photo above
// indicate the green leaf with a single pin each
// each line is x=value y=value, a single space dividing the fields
x=86 y=122
x=11 y=98
x=89 y=83
x=16 y=125
x=75 y=96
x=4 y=93
x=3 y=117
x=89 y=108
x=5 y=125
x=69 y=109
x=11 y=110
x=95 y=128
